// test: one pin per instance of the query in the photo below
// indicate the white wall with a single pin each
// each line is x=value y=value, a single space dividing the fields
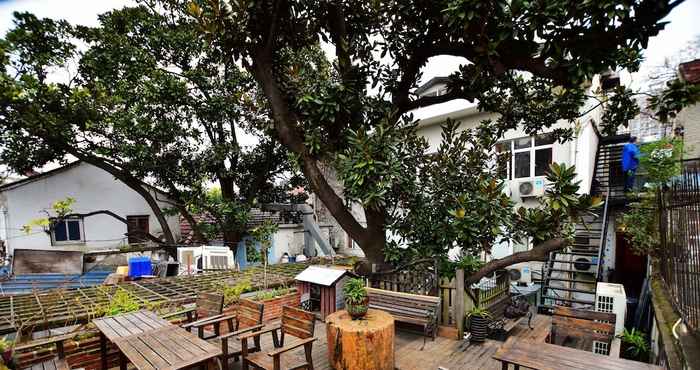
x=584 y=157
x=93 y=189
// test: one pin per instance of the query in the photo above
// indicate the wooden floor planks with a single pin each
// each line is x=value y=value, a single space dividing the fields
x=443 y=352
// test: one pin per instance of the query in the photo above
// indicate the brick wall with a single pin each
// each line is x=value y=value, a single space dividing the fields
x=273 y=307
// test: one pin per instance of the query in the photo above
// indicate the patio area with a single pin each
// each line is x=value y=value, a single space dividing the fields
x=445 y=353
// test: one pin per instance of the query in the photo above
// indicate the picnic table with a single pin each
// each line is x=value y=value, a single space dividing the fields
x=133 y=323
x=151 y=342
x=168 y=348
x=545 y=356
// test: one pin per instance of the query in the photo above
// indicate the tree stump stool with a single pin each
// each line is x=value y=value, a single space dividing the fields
x=366 y=344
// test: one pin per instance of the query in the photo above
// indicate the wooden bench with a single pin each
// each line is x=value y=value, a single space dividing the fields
x=55 y=363
x=500 y=325
x=409 y=308
x=579 y=329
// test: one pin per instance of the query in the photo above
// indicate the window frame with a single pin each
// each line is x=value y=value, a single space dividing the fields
x=68 y=241
x=532 y=150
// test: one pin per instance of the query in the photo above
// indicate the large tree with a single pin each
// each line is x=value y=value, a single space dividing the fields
x=143 y=102
x=527 y=61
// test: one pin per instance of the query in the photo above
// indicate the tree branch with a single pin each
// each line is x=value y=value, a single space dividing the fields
x=538 y=253
x=150 y=237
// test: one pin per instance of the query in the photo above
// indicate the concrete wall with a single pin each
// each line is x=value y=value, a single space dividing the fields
x=689 y=118
x=93 y=189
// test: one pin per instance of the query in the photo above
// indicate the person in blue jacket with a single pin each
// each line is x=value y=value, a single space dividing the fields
x=630 y=162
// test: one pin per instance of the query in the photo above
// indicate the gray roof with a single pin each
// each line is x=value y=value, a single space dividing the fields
x=432 y=82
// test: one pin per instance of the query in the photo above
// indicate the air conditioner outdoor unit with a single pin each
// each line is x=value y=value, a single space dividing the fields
x=520 y=273
x=585 y=263
x=611 y=298
x=196 y=259
x=531 y=188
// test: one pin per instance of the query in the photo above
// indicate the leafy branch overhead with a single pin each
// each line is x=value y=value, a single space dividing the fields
x=528 y=62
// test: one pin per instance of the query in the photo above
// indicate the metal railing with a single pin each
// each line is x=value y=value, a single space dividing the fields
x=603 y=237
x=679 y=232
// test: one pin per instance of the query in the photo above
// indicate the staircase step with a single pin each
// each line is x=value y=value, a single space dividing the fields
x=573 y=280
x=570 y=290
x=573 y=271
x=571 y=300
x=581 y=262
x=587 y=253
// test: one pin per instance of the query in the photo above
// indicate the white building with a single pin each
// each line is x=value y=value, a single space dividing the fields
x=93 y=189
x=530 y=155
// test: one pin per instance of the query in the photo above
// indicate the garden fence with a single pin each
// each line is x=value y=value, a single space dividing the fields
x=679 y=256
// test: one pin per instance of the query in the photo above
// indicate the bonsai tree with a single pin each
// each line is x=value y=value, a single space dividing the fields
x=356 y=299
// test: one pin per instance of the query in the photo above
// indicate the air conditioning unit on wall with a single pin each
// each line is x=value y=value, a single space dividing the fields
x=520 y=273
x=585 y=263
x=531 y=188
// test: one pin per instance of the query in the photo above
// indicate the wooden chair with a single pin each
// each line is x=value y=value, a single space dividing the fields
x=295 y=322
x=578 y=328
x=56 y=363
x=248 y=317
x=208 y=306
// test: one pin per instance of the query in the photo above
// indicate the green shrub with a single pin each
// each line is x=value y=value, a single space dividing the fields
x=354 y=291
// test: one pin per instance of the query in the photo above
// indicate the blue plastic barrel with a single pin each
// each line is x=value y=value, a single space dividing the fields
x=139 y=266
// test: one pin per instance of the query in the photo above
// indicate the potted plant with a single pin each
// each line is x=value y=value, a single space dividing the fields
x=478 y=323
x=356 y=299
x=7 y=358
x=634 y=345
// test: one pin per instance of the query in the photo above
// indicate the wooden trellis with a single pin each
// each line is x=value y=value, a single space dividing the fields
x=61 y=307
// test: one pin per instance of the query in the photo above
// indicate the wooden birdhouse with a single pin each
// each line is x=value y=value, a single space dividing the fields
x=321 y=289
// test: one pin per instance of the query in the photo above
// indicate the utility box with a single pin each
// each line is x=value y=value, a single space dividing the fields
x=612 y=298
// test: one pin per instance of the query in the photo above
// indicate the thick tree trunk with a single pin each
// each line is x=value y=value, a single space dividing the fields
x=538 y=253
x=289 y=135
x=136 y=185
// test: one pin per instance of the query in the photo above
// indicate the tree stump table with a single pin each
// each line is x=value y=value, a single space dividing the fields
x=366 y=344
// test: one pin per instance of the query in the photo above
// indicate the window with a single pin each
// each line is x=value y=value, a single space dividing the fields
x=137 y=228
x=67 y=231
x=530 y=156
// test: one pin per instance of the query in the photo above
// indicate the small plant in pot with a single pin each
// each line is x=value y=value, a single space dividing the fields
x=478 y=323
x=634 y=345
x=7 y=357
x=356 y=299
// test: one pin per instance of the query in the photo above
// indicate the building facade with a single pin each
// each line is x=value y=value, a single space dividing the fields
x=93 y=189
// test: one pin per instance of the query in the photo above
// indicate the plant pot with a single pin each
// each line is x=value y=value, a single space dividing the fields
x=479 y=328
x=357 y=311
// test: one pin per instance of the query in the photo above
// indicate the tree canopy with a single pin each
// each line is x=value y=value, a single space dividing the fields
x=143 y=102
x=526 y=61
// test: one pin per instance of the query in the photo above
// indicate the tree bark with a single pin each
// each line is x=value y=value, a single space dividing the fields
x=538 y=253
x=287 y=132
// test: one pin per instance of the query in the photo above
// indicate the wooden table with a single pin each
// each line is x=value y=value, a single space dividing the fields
x=545 y=356
x=168 y=348
x=366 y=344
x=128 y=324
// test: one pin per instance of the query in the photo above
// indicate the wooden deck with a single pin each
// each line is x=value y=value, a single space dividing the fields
x=445 y=353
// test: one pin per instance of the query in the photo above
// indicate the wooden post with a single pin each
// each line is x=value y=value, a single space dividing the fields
x=459 y=302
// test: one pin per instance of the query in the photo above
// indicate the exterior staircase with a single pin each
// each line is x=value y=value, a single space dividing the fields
x=608 y=175
x=570 y=276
